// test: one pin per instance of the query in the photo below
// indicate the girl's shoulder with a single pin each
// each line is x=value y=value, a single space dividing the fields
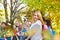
x=39 y=22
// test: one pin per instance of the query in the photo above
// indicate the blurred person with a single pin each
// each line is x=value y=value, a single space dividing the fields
x=36 y=27
x=50 y=28
x=2 y=30
x=17 y=31
x=26 y=26
x=46 y=32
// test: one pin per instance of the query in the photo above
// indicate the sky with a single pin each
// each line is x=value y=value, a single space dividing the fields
x=1 y=6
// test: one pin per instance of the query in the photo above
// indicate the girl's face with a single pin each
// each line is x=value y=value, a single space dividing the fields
x=45 y=22
x=17 y=24
x=3 y=25
x=35 y=16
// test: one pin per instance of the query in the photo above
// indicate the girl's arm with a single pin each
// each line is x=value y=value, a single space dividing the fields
x=31 y=33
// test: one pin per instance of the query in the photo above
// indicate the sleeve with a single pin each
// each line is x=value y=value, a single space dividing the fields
x=40 y=24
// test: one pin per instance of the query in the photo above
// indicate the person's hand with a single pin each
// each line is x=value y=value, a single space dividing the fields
x=26 y=39
x=4 y=36
x=18 y=34
x=5 y=39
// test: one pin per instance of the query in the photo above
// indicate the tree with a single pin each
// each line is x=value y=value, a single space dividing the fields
x=15 y=11
x=14 y=5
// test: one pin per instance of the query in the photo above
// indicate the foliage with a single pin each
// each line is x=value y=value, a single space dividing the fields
x=9 y=31
x=1 y=16
x=43 y=5
x=50 y=6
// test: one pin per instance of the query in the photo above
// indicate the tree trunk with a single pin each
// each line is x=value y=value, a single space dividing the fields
x=5 y=8
x=11 y=17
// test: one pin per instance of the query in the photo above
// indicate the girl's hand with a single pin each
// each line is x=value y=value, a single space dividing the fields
x=18 y=34
x=45 y=27
x=4 y=36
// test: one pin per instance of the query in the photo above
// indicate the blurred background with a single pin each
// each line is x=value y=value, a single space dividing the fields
x=12 y=10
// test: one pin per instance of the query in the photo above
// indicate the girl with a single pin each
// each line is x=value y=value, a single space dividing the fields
x=36 y=27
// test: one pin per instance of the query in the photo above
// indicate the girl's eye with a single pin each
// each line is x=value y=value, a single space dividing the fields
x=35 y=15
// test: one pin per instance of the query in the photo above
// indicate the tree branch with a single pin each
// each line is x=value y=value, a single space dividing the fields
x=5 y=8
x=16 y=12
x=11 y=9
x=14 y=8
x=18 y=5
x=20 y=9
